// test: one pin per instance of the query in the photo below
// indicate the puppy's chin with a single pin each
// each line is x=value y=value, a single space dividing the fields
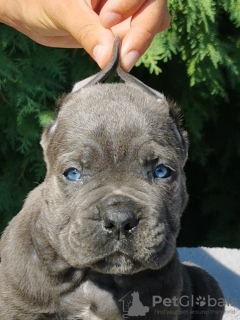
x=118 y=264
x=121 y=264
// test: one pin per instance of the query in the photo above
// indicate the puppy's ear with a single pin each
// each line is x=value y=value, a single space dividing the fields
x=46 y=137
x=103 y=75
x=47 y=133
x=173 y=110
x=181 y=134
x=134 y=82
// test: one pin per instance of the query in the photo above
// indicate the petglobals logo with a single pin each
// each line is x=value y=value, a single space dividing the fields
x=187 y=301
x=132 y=306
x=194 y=305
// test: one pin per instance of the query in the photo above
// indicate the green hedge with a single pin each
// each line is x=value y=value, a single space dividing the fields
x=196 y=62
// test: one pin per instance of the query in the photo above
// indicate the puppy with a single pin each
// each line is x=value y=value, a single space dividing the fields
x=97 y=239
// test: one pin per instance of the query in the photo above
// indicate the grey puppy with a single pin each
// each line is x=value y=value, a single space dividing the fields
x=96 y=240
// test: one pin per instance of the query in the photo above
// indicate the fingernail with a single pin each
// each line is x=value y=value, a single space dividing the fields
x=98 y=53
x=130 y=59
x=110 y=19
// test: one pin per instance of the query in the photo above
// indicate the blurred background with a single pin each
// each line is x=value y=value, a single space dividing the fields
x=196 y=63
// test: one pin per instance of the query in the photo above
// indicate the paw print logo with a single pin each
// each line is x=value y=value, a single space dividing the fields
x=200 y=301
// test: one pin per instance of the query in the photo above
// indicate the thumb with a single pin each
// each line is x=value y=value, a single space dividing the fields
x=84 y=25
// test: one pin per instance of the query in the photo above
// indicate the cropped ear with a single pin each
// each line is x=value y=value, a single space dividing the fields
x=174 y=111
x=132 y=81
x=47 y=133
x=79 y=85
x=112 y=67
x=181 y=134
x=46 y=137
x=103 y=75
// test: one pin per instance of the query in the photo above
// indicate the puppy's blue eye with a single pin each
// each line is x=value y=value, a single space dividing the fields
x=162 y=172
x=72 y=174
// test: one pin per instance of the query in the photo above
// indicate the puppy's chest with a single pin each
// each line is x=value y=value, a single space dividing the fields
x=92 y=301
x=89 y=302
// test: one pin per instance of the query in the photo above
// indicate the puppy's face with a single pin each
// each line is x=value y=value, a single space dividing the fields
x=115 y=187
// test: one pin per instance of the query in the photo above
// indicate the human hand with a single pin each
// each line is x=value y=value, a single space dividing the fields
x=91 y=24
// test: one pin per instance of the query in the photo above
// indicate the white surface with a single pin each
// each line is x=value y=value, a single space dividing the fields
x=224 y=265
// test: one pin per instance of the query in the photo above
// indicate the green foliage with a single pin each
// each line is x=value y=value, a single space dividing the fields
x=196 y=62
x=32 y=77
x=232 y=7
x=195 y=36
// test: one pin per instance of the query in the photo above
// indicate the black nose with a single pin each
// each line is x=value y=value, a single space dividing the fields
x=120 y=222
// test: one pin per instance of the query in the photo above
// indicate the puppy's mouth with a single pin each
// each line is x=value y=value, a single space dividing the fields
x=120 y=262
x=117 y=263
x=105 y=253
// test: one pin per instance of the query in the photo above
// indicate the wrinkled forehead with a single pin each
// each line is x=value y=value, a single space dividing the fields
x=113 y=106
x=112 y=111
x=113 y=144
x=104 y=95
x=113 y=120
x=106 y=152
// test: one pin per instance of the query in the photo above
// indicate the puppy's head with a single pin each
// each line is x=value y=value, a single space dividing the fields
x=115 y=186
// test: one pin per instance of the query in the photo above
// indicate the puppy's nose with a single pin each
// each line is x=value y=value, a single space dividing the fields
x=120 y=222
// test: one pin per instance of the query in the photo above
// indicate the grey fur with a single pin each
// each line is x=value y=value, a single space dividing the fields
x=77 y=248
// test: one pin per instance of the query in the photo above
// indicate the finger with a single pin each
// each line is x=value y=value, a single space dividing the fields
x=79 y=20
x=151 y=19
x=115 y=11
x=97 y=5
x=122 y=28
x=92 y=3
x=166 y=20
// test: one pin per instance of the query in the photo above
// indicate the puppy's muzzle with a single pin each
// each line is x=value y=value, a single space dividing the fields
x=120 y=223
x=119 y=218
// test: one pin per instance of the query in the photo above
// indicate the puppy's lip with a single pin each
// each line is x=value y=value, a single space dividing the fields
x=117 y=263
x=97 y=259
x=162 y=255
x=113 y=256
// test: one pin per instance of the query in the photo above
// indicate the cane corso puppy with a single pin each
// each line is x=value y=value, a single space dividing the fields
x=97 y=239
